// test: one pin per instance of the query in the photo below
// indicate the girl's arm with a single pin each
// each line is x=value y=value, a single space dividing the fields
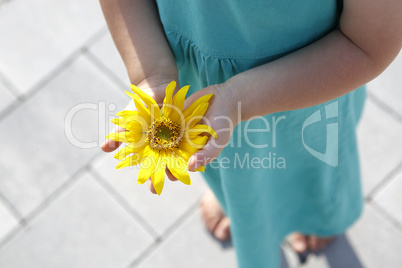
x=139 y=37
x=369 y=38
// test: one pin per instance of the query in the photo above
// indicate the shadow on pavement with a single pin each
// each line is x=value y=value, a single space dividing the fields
x=340 y=254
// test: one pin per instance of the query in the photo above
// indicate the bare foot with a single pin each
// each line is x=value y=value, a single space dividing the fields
x=301 y=243
x=214 y=218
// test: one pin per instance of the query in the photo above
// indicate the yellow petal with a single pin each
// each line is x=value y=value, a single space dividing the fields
x=146 y=169
x=133 y=118
x=158 y=178
x=168 y=101
x=149 y=101
x=129 y=161
x=193 y=145
x=196 y=116
x=178 y=103
x=195 y=104
x=186 y=147
x=179 y=97
x=136 y=127
x=142 y=111
x=147 y=151
x=123 y=136
x=120 y=122
x=127 y=113
x=179 y=170
x=201 y=168
x=199 y=140
x=129 y=149
x=127 y=124
x=182 y=154
x=198 y=129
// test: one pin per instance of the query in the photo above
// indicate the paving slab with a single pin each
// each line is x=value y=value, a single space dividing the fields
x=388 y=86
x=84 y=228
x=379 y=136
x=161 y=212
x=376 y=241
x=390 y=198
x=338 y=254
x=37 y=156
x=191 y=246
x=3 y=2
x=7 y=221
x=106 y=52
x=6 y=98
x=37 y=36
x=289 y=257
x=372 y=242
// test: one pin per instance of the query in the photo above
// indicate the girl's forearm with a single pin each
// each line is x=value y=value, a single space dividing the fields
x=324 y=70
x=139 y=37
x=369 y=38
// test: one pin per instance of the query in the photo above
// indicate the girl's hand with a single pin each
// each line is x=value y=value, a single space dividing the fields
x=222 y=115
x=156 y=89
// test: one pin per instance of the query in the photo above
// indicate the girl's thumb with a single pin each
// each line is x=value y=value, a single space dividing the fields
x=203 y=157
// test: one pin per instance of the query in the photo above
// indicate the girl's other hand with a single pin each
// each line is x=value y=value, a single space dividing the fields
x=222 y=115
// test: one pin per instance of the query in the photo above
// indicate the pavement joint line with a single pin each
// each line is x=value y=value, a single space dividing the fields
x=381 y=104
x=10 y=107
x=10 y=235
x=48 y=201
x=11 y=208
x=34 y=90
x=384 y=182
x=95 y=37
x=286 y=244
x=41 y=208
x=182 y=218
x=103 y=68
x=53 y=73
x=175 y=227
x=10 y=86
x=55 y=195
x=123 y=203
x=387 y=216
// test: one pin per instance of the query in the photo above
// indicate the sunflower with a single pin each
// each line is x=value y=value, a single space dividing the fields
x=161 y=138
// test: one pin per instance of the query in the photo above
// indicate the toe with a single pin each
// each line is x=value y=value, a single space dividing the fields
x=222 y=230
x=316 y=243
x=211 y=211
x=214 y=218
x=298 y=242
x=313 y=243
x=210 y=221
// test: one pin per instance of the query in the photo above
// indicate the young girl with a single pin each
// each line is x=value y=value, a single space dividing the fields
x=292 y=66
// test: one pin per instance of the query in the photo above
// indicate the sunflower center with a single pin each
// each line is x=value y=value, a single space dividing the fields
x=164 y=134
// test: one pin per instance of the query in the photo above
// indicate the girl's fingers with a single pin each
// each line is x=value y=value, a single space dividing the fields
x=111 y=145
x=151 y=186
x=205 y=156
x=213 y=147
x=170 y=175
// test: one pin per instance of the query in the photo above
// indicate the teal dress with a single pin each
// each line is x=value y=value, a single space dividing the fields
x=300 y=172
